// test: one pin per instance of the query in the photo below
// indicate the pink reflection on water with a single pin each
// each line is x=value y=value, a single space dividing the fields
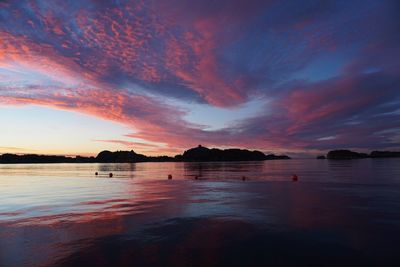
x=54 y=216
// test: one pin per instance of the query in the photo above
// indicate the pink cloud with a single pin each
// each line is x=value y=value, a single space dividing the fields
x=102 y=59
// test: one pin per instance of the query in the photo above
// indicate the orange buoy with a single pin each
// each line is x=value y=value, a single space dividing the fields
x=169 y=176
x=110 y=174
x=295 y=178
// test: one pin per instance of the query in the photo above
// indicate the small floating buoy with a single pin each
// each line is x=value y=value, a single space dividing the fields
x=295 y=178
x=96 y=173
x=243 y=178
x=196 y=177
x=110 y=174
x=169 y=176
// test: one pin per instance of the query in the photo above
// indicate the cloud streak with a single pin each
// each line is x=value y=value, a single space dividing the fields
x=128 y=61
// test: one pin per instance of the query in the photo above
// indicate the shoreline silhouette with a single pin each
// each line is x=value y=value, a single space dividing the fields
x=199 y=153
x=196 y=154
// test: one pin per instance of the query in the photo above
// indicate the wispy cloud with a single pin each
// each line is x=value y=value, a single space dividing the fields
x=122 y=61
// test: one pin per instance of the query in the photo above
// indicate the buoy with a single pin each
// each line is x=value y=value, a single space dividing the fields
x=110 y=174
x=295 y=178
x=169 y=176
x=243 y=178
x=96 y=173
x=196 y=177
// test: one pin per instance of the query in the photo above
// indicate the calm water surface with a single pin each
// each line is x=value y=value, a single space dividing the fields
x=340 y=213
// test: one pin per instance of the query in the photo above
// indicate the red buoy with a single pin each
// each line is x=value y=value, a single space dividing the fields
x=196 y=177
x=295 y=178
x=96 y=173
x=110 y=174
x=243 y=178
x=169 y=176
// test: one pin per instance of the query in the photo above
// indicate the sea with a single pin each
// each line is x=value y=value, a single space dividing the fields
x=338 y=213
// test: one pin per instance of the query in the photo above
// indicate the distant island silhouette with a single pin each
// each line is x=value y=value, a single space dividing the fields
x=196 y=154
x=348 y=154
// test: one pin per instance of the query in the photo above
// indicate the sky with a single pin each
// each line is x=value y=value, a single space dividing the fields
x=159 y=77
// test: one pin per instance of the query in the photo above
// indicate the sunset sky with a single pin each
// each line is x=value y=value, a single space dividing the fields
x=158 y=77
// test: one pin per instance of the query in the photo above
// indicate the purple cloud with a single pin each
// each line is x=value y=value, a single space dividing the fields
x=328 y=71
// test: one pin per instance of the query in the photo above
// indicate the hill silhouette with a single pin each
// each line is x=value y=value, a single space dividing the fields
x=202 y=153
x=128 y=157
x=33 y=158
x=120 y=156
x=196 y=154
x=199 y=153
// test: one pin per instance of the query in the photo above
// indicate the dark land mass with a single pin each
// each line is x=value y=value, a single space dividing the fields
x=128 y=157
x=33 y=158
x=384 y=154
x=196 y=154
x=348 y=154
x=199 y=153
x=345 y=154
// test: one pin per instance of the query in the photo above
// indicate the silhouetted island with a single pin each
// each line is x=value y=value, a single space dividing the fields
x=33 y=158
x=128 y=157
x=345 y=154
x=348 y=154
x=202 y=153
x=199 y=153
x=384 y=154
